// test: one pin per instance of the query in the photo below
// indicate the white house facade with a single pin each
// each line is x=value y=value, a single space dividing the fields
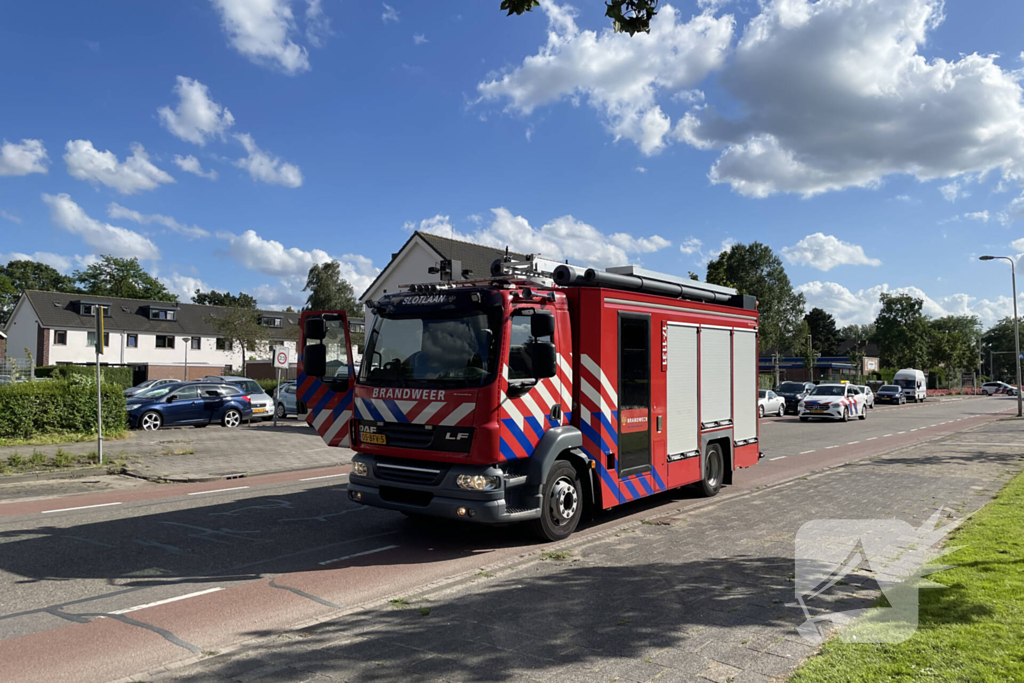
x=158 y=339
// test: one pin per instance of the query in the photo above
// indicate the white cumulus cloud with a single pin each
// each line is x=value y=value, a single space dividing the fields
x=191 y=232
x=22 y=159
x=190 y=164
x=197 y=117
x=691 y=245
x=825 y=252
x=265 y=31
x=61 y=263
x=103 y=237
x=137 y=173
x=390 y=13
x=619 y=75
x=559 y=239
x=265 y=167
x=184 y=286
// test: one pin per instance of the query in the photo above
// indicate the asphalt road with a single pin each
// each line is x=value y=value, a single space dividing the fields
x=125 y=581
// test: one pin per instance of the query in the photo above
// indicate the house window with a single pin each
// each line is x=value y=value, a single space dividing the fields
x=164 y=341
x=272 y=322
x=88 y=309
x=162 y=314
x=133 y=341
x=223 y=344
x=90 y=339
x=60 y=337
x=197 y=343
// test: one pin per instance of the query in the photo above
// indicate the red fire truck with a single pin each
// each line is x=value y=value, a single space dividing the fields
x=538 y=393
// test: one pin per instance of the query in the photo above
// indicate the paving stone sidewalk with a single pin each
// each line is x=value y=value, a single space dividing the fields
x=188 y=453
x=698 y=594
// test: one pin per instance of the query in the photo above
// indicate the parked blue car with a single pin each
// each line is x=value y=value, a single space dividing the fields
x=188 y=403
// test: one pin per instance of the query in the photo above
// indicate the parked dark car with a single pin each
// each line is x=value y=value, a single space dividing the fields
x=794 y=392
x=148 y=384
x=890 y=393
x=189 y=403
x=262 y=403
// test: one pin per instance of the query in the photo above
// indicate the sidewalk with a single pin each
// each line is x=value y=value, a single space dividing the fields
x=698 y=594
x=188 y=453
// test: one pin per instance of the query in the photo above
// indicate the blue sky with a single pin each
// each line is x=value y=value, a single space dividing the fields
x=877 y=146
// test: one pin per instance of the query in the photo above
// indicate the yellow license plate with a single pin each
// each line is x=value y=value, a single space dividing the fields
x=819 y=410
x=378 y=439
x=259 y=410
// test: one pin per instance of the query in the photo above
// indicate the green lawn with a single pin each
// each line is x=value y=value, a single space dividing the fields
x=971 y=631
x=51 y=438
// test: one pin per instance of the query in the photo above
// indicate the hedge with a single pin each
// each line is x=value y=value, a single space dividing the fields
x=33 y=408
x=268 y=385
x=122 y=377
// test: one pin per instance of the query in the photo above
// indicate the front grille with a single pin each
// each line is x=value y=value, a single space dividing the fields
x=406 y=435
x=408 y=473
x=406 y=496
x=416 y=436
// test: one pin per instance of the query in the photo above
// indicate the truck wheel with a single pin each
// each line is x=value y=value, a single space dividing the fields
x=561 y=503
x=714 y=468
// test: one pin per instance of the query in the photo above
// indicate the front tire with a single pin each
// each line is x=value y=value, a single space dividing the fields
x=846 y=415
x=231 y=419
x=863 y=413
x=714 y=471
x=561 y=503
x=281 y=412
x=151 y=421
x=782 y=411
x=760 y=411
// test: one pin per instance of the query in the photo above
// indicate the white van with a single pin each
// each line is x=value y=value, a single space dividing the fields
x=914 y=384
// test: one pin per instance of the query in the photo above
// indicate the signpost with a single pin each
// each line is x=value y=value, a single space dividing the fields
x=281 y=359
x=99 y=382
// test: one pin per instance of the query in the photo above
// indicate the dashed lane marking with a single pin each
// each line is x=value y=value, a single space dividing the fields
x=365 y=552
x=871 y=438
x=898 y=433
x=82 y=507
x=168 y=600
x=233 y=488
x=850 y=443
x=885 y=435
x=781 y=457
x=326 y=476
x=806 y=452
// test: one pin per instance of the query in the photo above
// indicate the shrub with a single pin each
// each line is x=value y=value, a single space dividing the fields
x=37 y=460
x=32 y=408
x=269 y=386
x=15 y=461
x=121 y=377
x=45 y=371
x=63 y=459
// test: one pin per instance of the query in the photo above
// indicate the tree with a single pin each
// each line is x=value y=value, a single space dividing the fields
x=26 y=275
x=215 y=298
x=241 y=325
x=954 y=343
x=901 y=332
x=810 y=357
x=121 y=277
x=857 y=332
x=755 y=269
x=998 y=350
x=628 y=16
x=823 y=332
x=8 y=298
x=328 y=291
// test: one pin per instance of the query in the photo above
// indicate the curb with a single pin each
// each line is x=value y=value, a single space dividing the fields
x=200 y=478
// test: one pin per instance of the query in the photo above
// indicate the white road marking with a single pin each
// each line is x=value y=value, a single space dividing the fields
x=326 y=476
x=804 y=452
x=233 y=488
x=850 y=443
x=778 y=458
x=828 y=447
x=871 y=439
x=914 y=430
x=898 y=433
x=365 y=552
x=168 y=600
x=885 y=435
x=83 y=507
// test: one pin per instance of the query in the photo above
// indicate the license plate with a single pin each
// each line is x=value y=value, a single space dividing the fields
x=378 y=439
x=818 y=410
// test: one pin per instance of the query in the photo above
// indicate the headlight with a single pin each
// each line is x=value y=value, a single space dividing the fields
x=800 y=405
x=478 y=482
x=360 y=469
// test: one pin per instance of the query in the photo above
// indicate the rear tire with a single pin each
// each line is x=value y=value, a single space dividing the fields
x=231 y=419
x=760 y=411
x=281 y=412
x=561 y=503
x=863 y=413
x=151 y=421
x=714 y=471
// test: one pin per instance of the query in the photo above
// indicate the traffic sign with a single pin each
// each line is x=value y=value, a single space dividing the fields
x=281 y=358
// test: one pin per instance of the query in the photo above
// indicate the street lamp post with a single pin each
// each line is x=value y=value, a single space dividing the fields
x=187 y=341
x=1016 y=328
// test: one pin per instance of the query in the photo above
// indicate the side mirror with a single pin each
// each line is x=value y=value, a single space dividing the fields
x=542 y=324
x=315 y=328
x=172 y=398
x=314 y=360
x=544 y=359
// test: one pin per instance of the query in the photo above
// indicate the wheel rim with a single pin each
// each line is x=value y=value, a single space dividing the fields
x=232 y=418
x=151 y=422
x=280 y=410
x=714 y=469
x=782 y=410
x=564 y=501
x=760 y=411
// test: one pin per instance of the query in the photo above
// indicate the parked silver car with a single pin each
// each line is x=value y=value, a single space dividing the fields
x=148 y=384
x=284 y=399
x=869 y=396
x=770 y=403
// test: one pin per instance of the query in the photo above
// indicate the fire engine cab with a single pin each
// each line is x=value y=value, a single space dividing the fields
x=538 y=393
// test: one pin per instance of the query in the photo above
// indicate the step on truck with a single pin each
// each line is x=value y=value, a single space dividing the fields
x=538 y=394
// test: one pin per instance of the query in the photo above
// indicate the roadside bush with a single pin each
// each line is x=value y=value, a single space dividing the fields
x=121 y=377
x=766 y=381
x=45 y=371
x=33 y=408
x=269 y=386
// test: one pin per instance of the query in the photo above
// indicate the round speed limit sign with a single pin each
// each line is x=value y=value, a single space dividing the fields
x=281 y=358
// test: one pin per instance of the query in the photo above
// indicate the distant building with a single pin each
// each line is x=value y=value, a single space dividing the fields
x=153 y=337
x=422 y=251
x=3 y=348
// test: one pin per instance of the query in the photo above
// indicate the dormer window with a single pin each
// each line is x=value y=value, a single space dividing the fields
x=85 y=308
x=270 y=321
x=162 y=314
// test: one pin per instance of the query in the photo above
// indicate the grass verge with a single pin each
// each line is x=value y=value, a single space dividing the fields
x=52 y=438
x=17 y=463
x=971 y=631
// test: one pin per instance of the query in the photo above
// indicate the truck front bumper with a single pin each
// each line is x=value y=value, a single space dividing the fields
x=429 y=488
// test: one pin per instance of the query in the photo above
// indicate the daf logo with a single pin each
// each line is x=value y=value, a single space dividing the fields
x=456 y=437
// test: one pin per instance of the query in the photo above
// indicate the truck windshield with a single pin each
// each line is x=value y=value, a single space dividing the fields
x=453 y=350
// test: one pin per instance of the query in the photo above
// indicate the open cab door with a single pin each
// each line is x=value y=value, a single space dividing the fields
x=327 y=375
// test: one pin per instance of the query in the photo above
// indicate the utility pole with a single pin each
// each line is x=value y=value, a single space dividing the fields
x=188 y=342
x=1016 y=328
x=99 y=382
